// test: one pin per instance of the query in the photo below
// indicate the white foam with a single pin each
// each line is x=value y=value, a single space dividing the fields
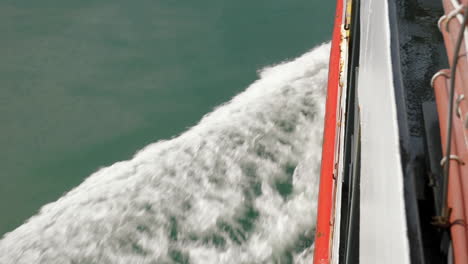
x=239 y=187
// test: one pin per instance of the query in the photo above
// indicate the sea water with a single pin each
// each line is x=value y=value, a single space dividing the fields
x=238 y=187
x=84 y=84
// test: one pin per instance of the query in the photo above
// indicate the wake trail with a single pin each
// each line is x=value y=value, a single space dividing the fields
x=239 y=187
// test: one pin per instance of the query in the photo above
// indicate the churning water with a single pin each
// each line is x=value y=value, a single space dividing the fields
x=239 y=187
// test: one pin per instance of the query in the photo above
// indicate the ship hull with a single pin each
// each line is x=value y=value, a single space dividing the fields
x=380 y=186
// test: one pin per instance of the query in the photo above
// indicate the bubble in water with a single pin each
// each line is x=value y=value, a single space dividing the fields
x=239 y=187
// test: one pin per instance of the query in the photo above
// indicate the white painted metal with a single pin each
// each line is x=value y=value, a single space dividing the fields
x=344 y=46
x=383 y=230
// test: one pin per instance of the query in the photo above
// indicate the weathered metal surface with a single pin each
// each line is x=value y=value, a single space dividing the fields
x=323 y=236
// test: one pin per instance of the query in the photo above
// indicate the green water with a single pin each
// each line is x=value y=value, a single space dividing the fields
x=84 y=84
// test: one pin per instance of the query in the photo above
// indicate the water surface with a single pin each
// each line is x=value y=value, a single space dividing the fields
x=84 y=84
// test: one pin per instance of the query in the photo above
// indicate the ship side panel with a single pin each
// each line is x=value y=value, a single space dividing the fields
x=383 y=230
